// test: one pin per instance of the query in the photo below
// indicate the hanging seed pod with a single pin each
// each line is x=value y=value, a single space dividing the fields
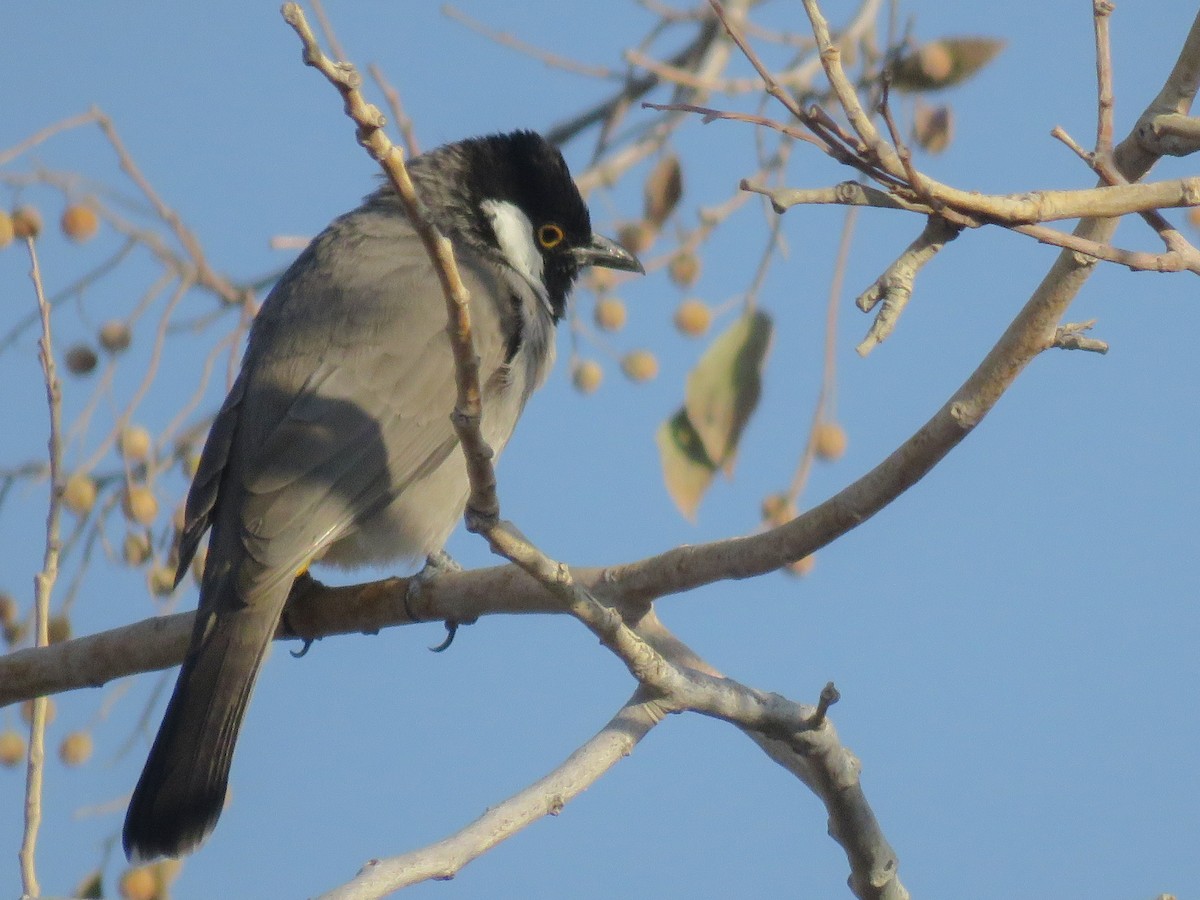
x=663 y=189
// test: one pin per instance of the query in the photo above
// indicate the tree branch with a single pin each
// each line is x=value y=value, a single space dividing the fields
x=546 y=796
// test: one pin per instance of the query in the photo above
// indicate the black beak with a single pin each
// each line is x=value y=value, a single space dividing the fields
x=609 y=254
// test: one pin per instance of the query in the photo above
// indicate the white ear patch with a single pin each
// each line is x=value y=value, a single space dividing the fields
x=514 y=232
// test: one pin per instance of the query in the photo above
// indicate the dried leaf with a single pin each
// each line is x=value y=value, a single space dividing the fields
x=933 y=127
x=943 y=63
x=664 y=187
x=687 y=470
x=723 y=390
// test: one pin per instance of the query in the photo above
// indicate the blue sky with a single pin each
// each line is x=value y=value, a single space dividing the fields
x=1014 y=638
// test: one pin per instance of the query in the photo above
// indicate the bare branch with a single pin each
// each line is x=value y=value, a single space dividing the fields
x=204 y=272
x=403 y=123
x=326 y=26
x=46 y=133
x=1174 y=134
x=43 y=584
x=1101 y=10
x=507 y=39
x=1071 y=336
x=1031 y=332
x=894 y=287
x=546 y=796
x=1181 y=255
x=634 y=88
x=847 y=193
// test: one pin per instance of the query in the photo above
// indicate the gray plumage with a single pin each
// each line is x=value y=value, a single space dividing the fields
x=335 y=442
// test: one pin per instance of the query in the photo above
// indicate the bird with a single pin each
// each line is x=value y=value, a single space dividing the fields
x=335 y=443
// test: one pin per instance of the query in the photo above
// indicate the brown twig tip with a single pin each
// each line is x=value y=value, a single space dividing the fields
x=829 y=696
x=1071 y=336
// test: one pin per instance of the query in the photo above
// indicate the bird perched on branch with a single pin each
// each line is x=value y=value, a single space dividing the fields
x=335 y=442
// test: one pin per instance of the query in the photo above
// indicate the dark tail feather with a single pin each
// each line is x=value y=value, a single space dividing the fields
x=181 y=793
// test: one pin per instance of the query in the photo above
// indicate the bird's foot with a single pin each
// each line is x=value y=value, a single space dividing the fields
x=302 y=585
x=436 y=565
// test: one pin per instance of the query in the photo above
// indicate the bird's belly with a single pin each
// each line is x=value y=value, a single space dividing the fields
x=419 y=521
x=412 y=526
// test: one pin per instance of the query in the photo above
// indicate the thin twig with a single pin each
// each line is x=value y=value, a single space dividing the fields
x=633 y=89
x=327 y=29
x=468 y=410
x=1101 y=10
x=546 y=796
x=46 y=133
x=43 y=584
x=1071 y=336
x=894 y=287
x=404 y=124
x=824 y=408
x=507 y=39
x=204 y=272
x=1181 y=253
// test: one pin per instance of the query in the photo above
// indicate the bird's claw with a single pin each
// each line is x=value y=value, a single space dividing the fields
x=436 y=565
x=451 y=631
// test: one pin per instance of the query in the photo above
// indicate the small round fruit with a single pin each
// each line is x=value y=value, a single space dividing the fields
x=76 y=748
x=601 y=280
x=27 y=222
x=59 y=629
x=777 y=509
x=79 y=494
x=684 y=269
x=136 y=549
x=27 y=711
x=587 y=375
x=801 y=567
x=79 y=222
x=12 y=748
x=693 y=317
x=639 y=365
x=138 y=884
x=14 y=632
x=139 y=504
x=8 y=609
x=81 y=359
x=610 y=314
x=829 y=441
x=161 y=580
x=936 y=61
x=134 y=443
x=7 y=232
x=115 y=336
x=636 y=237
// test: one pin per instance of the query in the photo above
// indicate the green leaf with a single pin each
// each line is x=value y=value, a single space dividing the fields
x=723 y=390
x=687 y=470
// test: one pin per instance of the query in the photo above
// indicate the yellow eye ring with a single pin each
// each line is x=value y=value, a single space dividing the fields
x=549 y=236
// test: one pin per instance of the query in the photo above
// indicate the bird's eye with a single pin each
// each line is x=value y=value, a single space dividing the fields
x=549 y=236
